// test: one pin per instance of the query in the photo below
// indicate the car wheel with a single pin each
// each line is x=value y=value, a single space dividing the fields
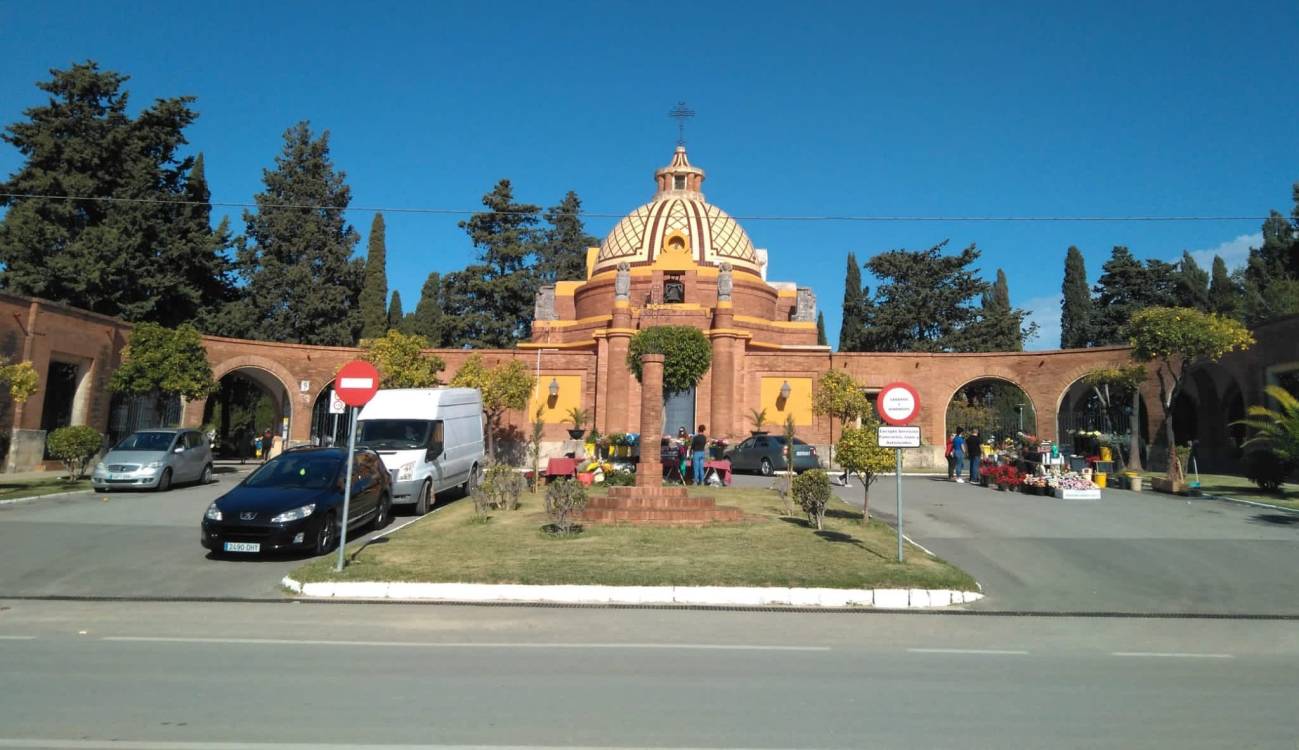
x=425 y=499
x=326 y=537
x=206 y=477
x=164 y=482
x=765 y=468
x=384 y=513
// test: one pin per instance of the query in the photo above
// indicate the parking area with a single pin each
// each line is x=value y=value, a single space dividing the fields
x=128 y=544
x=1128 y=552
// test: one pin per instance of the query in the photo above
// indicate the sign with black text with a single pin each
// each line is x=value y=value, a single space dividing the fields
x=899 y=437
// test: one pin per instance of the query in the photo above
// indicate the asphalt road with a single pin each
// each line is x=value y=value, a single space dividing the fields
x=112 y=674
x=1136 y=552
x=127 y=544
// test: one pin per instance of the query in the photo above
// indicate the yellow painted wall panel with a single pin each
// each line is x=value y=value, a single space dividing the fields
x=555 y=410
x=799 y=403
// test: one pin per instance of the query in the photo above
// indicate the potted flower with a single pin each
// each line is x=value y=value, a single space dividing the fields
x=986 y=468
x=578 y=417
x=718 y=447
x=593 y=443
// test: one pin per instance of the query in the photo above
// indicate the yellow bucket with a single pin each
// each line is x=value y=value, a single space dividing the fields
x=1106 y=455
x=1099 y=478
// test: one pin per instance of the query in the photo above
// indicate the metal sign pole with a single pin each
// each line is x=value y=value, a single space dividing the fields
x=899 y=479
x=347 y=494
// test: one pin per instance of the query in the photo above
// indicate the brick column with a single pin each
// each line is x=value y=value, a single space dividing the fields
x=722 y=408
x=618 y=391
x=649 y=471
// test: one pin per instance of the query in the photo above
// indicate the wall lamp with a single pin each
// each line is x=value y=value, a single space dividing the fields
x=784 y=391
x=554 y=387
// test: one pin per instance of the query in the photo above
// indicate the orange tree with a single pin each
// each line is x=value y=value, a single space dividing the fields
x=1173 y=339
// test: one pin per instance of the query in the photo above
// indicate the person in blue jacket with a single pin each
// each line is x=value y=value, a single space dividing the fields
x=958 y=453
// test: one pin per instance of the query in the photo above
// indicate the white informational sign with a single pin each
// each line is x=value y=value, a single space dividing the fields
x=304 y=386
x=336 y=405
x=899 y=437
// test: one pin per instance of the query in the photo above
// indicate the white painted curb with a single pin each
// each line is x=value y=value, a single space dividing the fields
x=698 y=595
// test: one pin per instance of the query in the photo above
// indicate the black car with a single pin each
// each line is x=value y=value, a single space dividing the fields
x=766 y=454
x=294 y=501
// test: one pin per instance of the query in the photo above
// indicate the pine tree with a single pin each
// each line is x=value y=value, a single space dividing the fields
x=820 y=329
x=396 y=318
x=850 y=328
x=1125 y=286
x=562 y=250
x=1191 y=284
x=1224 y=296
x=490 y=304
x=301 y=284
x=427 y=321
x=1270 y=279
x=374 y=293
x=925 y=301
x=1076 y=312
x=149 y=257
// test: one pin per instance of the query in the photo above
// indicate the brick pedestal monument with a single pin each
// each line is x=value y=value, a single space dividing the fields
x=649 y=502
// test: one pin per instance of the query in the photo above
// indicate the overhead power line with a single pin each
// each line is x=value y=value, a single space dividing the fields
x=606 y=215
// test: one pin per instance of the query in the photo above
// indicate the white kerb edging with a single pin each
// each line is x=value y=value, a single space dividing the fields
x=741 y=596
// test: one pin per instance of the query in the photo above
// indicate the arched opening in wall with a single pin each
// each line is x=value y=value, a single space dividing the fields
x=327 y=426
x=1090 y=416
x=998 y=408
x=249 y=401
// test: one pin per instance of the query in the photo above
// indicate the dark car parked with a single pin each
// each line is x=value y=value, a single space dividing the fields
x=766 y=454
x=294 y=502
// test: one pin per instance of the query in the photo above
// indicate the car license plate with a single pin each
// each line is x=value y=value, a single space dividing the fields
x=802 y=452
x=243 y=547
x=118 y=477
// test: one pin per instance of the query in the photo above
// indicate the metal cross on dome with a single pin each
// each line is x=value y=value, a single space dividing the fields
x=681 y=113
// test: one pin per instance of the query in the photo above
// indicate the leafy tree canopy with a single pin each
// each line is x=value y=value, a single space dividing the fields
x=21 y=378
x=859 y=453
x=561 y=255
x=686 y=352
x=503 y=387
x=427 y=320
x=402 y=362
x=166 y=361
x=1127 y=285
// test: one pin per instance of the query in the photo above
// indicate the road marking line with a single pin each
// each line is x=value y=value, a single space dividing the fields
x=55 y=744
x=17 y=637
x=988 y=651
x=461 y=644
x=1174 y=655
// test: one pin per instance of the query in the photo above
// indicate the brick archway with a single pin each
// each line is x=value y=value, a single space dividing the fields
x=269 y=369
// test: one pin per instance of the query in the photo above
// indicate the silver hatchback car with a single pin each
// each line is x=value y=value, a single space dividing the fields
x=155 y=459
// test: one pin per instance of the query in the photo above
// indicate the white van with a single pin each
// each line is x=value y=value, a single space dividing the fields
x=430 y=439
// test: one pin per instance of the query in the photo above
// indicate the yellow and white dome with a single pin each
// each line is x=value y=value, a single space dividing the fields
x=678 y=220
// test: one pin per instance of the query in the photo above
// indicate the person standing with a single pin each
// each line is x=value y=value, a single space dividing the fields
x=951 y=460
x=958 y=454
x=698 y=446
x=974 y=449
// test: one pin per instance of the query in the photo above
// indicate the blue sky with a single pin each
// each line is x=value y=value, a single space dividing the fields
x=1105 y=108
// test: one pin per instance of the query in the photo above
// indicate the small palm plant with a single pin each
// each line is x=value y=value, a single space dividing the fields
x=578 y=417
x=759 y=418
x=1276 y=430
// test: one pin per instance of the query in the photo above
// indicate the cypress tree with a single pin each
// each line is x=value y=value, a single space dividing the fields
x=1191 y=284
x=427 y=321
x=1076 y=311
x=374 y=321
x=1001 y=328
x=1224 y=296
x=396 y=318
x=562 y=250
x=301 y=283
x=820 y=329
x=851 y=327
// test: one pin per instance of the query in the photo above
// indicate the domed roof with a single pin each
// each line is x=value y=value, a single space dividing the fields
x=678 y=218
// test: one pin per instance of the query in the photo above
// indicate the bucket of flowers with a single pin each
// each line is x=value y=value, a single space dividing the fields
x=717 y=448
x=1006 y=477
x=986 y=468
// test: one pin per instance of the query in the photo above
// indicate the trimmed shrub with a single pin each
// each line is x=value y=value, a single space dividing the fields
x=812 y=493
x=1266 y=469
x=75 y=446
x=564 y=498
x=619 y=478
x=499 y=490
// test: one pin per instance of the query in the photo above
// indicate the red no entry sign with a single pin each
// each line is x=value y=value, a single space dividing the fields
x=898 y=403
x=356 y=382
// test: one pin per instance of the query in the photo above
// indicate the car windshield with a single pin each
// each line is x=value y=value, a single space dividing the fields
x=146 y=441
x=393 y=433
x=300 y=470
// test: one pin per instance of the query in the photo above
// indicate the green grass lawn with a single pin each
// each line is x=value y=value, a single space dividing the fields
x=770 y=550
x=1229 y=485
x=34 y=487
